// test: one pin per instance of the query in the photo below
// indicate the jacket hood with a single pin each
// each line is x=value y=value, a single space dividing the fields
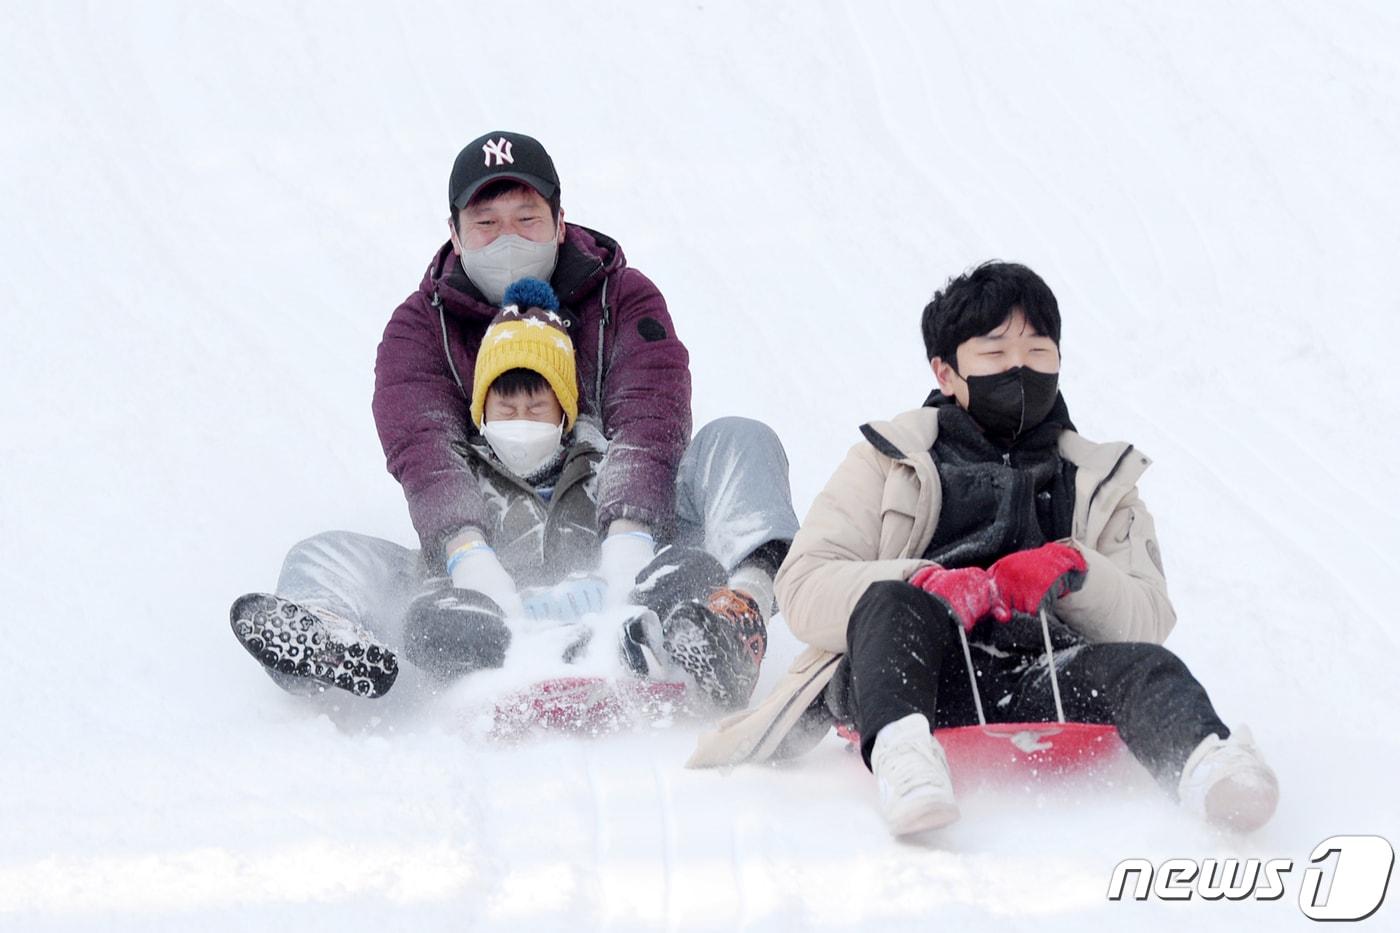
x=909 y=433
x=910 y=436
x=585 y=259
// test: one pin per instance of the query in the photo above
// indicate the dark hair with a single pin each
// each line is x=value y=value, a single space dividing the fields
x=503 y=187
x=516 y=382
x=979 y=301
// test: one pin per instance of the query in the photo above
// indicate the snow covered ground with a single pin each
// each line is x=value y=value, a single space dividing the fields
x=211 y=210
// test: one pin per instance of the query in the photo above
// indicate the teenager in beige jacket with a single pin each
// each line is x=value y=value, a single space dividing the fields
x=979 y=510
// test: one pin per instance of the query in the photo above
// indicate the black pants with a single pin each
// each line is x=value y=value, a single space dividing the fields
x=905 y=657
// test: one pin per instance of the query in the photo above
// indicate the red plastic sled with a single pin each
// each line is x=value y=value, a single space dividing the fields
x=1010 y=750
x=586 y=705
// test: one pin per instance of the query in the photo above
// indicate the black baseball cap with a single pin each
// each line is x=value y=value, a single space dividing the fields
x=496 y=156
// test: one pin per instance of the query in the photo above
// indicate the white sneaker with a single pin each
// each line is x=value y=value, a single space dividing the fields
x=916 y=791
x=1228 y=783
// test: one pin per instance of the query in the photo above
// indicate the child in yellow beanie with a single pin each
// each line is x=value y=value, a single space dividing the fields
x=536 y=461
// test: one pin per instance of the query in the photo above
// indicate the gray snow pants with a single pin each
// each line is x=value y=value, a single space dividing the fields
x=732 y=496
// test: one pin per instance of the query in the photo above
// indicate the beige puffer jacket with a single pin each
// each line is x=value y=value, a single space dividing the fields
x=875 y=519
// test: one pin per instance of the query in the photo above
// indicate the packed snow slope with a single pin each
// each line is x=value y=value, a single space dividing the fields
x=211 y=210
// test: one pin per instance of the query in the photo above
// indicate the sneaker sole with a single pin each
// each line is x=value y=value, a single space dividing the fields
x=710 y=651
x=1242 y=805
x=934 y=814
x=293 y=641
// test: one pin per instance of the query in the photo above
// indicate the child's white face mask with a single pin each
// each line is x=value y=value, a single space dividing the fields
x=524 y=446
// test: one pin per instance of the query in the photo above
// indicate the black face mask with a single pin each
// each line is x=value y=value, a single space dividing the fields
x=1011 y=403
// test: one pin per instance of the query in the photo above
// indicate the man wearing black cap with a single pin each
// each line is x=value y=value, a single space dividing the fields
x=346 y=604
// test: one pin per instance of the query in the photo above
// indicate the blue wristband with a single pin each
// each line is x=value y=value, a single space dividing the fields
x=461 y=553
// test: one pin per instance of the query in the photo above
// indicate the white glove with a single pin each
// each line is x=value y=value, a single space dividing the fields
x=474 y=566
x=621 y=557
x=571 y=598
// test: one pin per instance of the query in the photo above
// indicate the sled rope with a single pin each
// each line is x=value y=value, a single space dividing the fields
x=967 y=657
x=1050 y=656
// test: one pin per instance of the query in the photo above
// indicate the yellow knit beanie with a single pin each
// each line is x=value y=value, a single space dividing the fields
x=528 y=333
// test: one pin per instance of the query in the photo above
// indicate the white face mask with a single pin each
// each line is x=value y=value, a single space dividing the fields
x=523 y=446
x=507 y=259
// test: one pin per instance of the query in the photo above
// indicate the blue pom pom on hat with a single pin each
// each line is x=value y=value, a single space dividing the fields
x=531 y=293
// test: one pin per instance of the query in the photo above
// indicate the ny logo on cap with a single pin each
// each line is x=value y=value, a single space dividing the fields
x=499 y=150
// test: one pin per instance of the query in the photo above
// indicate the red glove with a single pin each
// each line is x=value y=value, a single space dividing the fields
x=1027 y=580
x=968 y=592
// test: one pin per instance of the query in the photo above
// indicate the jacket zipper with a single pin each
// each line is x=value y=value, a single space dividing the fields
x=1111 y=473
x=446 y=346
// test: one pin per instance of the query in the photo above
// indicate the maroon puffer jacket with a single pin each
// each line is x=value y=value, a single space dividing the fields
x=422 y=397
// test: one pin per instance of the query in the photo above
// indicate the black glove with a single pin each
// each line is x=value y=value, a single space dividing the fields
x=450 y=632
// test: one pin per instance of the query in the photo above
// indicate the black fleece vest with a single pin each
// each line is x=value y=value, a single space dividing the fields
x=998 y=499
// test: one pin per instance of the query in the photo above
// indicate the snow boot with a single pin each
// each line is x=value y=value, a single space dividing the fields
x=451 y=632
x=1228 y=783
x=719 y=641
x=312 y=646
x=916 y=790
